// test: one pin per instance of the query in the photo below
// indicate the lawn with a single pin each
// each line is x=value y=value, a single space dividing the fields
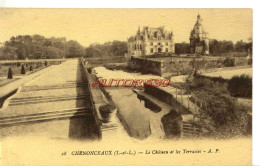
x=15 y=69
x=4 y=81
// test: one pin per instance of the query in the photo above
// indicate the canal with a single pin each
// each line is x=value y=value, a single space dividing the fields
x=140 y=117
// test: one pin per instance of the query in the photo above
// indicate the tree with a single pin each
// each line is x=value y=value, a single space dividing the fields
x=108 y=49
x=119 y=48
x=224 y=46
x=182 y=48
x=37 y=46
x=241 y=46
x=9 y=53
x=75 y=49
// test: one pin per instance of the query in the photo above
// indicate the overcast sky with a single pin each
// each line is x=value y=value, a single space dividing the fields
x=100 y=25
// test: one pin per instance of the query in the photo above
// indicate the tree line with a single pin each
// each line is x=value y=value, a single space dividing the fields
x=217 y=46
x=40 y=47
x=108 y=49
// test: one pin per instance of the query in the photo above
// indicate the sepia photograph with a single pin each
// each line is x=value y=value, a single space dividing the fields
x=126 y=86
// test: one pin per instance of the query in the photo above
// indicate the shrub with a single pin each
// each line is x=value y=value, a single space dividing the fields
x=22 y=70
x=219 y=109
x=10 y=74
x=107 y=108
x=217 y=84
x=240 y=86
x=229 y=62
x=228 y=117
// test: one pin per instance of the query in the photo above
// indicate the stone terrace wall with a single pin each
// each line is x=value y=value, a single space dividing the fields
x=96 y=97
x=183 y=65
x=165 y=96
x=31 y=62
x=146 y=65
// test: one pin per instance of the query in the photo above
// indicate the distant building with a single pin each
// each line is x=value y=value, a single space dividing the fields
x=199 y=39
x=150 y=41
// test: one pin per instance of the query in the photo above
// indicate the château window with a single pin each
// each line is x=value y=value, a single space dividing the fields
x=166 y=49
x=155 y=34
x=166 y=43
x=151 y=43
x=140 y=47
x=159 y=43
x=151 y=50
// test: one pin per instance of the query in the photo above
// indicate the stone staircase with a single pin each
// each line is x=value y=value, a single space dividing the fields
x=51 y=98
x=44 y=116
x=45 y=99
x=191 y=131
x=56 y=86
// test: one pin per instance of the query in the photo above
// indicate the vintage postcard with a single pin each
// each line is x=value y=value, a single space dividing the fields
x=126 y=86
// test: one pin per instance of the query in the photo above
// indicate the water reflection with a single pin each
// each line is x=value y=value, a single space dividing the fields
x=134 y=111
x=148 y=104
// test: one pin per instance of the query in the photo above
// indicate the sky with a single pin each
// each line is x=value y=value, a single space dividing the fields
x=89 y=26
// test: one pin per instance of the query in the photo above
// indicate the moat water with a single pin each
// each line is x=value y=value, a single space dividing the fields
x=136 y=113
x=140 y=117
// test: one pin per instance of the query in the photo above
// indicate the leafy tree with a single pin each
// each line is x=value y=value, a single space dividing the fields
x=224 y=46
x=118 y=48
x=108 y=49
x=241 y=46
x=9 y=53
x=75 y=49
x=182 y=48
x=37 y=46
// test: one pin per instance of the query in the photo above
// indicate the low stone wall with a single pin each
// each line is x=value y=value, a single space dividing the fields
x=183 y=65
x=172 y=122
x=31 y=62
x=96 y=97
x=162 y=94
x=146 y=65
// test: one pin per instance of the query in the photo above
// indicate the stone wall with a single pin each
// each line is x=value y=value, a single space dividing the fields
x=96 y=98
x=146 y=65
x=31 y=62
x=183 y=65
x=162 y=94
x=172 y=122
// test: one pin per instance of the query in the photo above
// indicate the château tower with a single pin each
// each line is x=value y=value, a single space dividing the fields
x=199 y=40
